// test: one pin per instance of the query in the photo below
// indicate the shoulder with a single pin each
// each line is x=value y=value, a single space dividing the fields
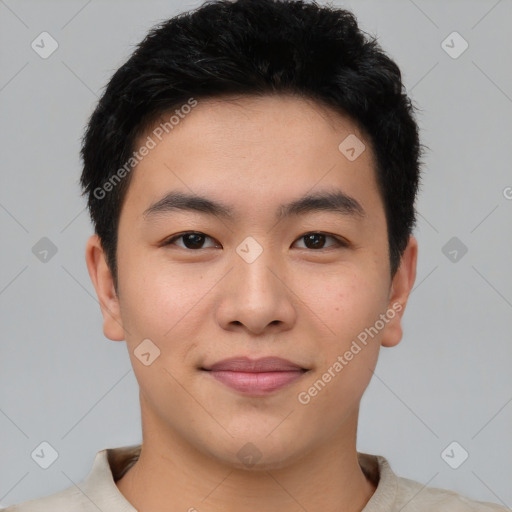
x=97 y=492
x=63 y=501
x=414 y=496
x=398 y=494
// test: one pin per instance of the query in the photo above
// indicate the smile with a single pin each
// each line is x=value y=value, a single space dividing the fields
x=255 y=377
x=256 y=383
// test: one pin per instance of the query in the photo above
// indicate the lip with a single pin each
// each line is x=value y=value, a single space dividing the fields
x=248 y=365
x=255 y=377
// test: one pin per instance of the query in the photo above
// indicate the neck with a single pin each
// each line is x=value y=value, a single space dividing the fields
x=171 y=474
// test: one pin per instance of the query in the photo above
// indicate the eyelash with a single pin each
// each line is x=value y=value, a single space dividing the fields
x=339 y=242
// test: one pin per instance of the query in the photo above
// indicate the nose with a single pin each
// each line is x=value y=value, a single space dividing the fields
x=257 y=296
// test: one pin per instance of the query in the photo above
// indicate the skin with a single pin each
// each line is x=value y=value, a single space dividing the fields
x=203 y=305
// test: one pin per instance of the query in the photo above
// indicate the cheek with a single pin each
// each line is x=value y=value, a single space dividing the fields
x=156 y=298
x=347 y=300
x=164 y=307
x=347 y=354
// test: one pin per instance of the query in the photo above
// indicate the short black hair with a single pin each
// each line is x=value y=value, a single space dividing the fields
x=255 y=48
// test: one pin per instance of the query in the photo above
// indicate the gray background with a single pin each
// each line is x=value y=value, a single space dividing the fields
x=448 y=380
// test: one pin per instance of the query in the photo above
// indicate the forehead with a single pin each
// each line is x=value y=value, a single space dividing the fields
x=266 y=148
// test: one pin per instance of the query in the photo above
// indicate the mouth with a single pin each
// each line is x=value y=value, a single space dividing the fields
x=255 y=377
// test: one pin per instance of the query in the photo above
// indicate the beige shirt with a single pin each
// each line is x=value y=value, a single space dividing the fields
x=393 y=493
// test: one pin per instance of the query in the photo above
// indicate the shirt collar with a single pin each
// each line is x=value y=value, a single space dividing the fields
x=111 y=464
x=377 y=469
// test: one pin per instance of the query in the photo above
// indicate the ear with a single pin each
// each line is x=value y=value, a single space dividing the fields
x=103 y=282
x=401 y=286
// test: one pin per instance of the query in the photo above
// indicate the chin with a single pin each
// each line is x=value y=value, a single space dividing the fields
x=256 y=453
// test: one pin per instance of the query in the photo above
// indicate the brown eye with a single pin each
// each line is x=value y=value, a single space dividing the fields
x=314 y=240
x=191 y=240
x=317 y=240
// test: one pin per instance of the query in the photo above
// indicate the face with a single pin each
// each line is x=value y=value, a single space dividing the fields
x=254 y=270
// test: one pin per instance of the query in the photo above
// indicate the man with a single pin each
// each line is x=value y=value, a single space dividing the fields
x=251 y=173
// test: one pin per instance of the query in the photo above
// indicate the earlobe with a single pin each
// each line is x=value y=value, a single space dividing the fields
x=103 y=282
x=401 y=287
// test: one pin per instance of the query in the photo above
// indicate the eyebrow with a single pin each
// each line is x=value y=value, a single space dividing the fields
x=335 y=201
